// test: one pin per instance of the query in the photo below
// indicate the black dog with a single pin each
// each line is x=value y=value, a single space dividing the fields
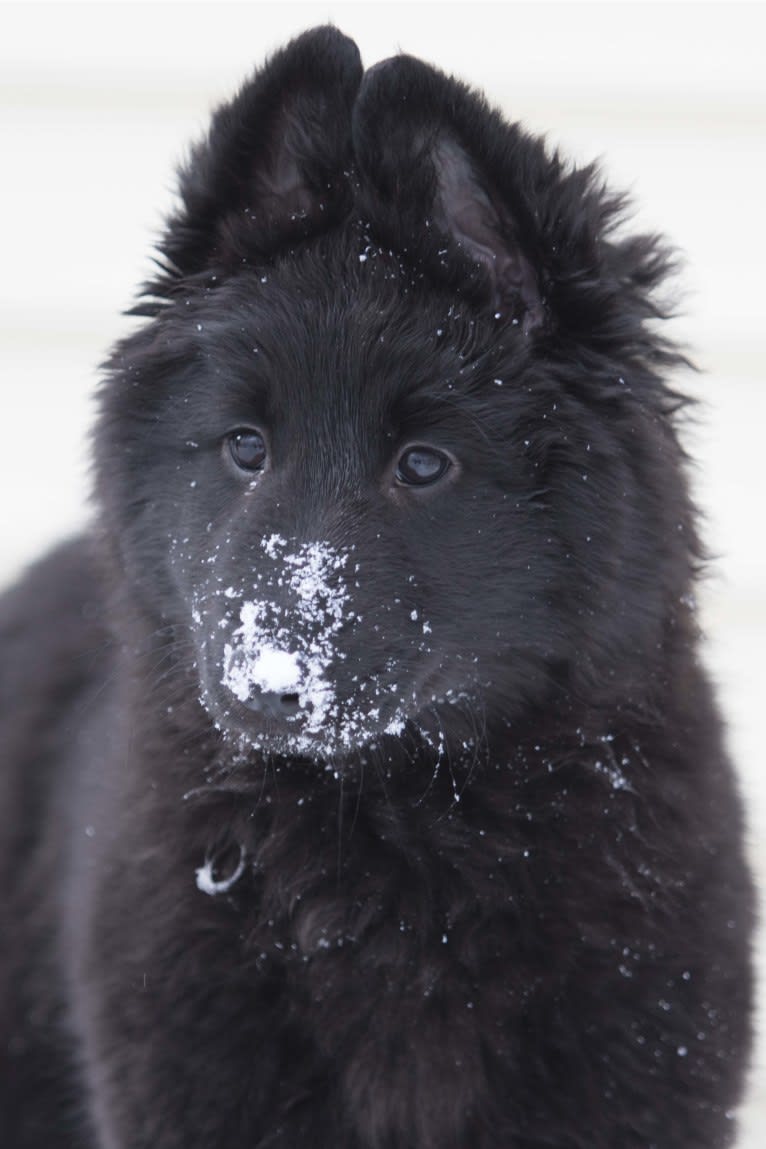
x=361 y=787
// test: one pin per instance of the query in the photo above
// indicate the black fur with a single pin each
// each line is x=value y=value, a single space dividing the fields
x=489 y=891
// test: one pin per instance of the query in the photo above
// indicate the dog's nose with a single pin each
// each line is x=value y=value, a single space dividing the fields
x=272 y=704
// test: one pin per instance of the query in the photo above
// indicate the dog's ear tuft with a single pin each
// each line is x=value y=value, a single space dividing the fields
x=274 y=166
x=440 y=182
x=486 y=232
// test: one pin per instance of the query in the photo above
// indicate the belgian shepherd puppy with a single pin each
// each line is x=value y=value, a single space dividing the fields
x=361 y=788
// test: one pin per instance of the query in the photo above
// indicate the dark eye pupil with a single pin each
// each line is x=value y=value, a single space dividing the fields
x=420 y=466
x=248 y=449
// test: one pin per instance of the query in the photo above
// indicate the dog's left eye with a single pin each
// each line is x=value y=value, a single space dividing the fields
x=248 y=449
x=421 y=466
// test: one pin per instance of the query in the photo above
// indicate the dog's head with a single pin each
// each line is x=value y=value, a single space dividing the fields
x=393 y=448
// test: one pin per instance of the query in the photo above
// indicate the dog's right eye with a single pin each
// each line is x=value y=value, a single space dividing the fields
x=421 y=466
x=247 y=448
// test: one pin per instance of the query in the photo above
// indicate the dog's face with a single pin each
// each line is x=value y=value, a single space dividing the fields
x=345 y=503
x=362 y=462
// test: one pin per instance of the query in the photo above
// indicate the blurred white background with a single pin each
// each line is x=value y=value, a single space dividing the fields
x=97 y=102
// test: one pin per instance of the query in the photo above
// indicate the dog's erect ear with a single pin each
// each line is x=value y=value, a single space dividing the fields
x=442 y=181
x=273 y=168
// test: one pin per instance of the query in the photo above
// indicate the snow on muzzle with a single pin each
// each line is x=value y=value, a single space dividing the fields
x=280 y=656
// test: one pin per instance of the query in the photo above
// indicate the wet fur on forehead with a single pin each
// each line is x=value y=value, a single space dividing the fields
x=341 y=301
x=276 y=313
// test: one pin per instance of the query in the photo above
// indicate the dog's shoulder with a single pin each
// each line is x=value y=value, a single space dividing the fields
x=53 y=646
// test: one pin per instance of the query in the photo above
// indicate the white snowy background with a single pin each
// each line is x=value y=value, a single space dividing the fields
x=98 y=100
